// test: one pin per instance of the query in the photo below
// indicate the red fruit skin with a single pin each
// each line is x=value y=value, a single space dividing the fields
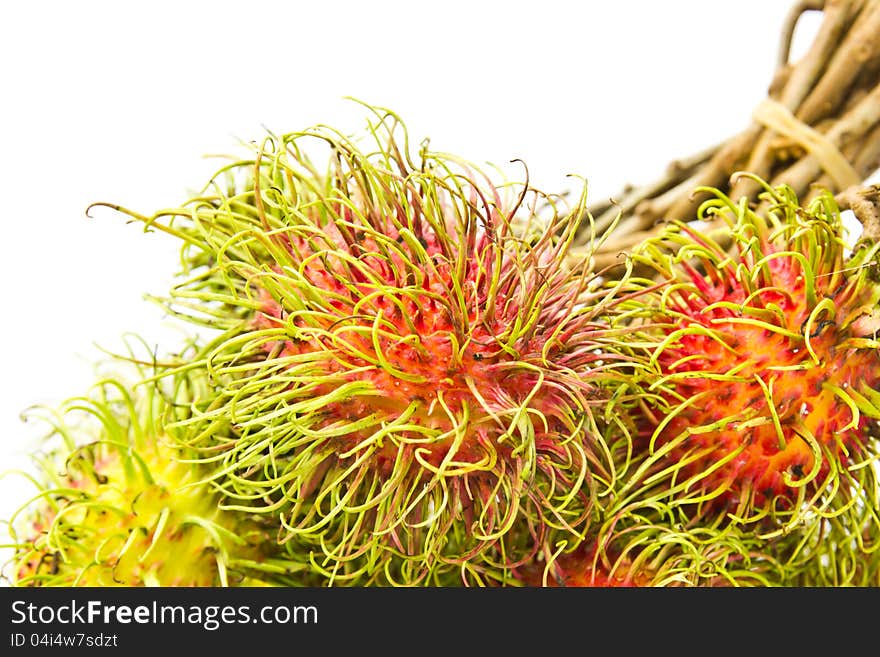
x=776 y=375
x=438 y=368
x=582 y=568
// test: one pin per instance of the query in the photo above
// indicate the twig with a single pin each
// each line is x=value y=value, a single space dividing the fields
x=865 y=205
x=819 y=125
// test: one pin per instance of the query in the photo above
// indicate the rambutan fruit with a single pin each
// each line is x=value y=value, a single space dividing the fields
x=120 y=506
x=764 y=401
x=644 y=549
x=409 y=364
x=581 y=568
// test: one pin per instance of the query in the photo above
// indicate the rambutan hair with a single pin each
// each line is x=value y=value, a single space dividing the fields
x=646 y=550
x=764 y=401
x=119 y=504
x=409 y=364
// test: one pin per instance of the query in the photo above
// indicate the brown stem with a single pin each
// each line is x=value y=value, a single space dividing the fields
x=717 y=171
x=854 y=125
x=827 y=104
x=863 y=153
x=803 y=78
x=789 y=26
x=865 y=205
x=676 y=172
x=860 y=45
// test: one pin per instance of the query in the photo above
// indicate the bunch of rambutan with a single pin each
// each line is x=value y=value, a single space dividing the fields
x=411 y=380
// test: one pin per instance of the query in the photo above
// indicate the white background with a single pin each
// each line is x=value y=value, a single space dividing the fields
x=119 y=101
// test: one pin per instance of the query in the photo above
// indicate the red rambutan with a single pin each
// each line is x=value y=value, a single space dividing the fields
x=767 y=365
x=409 y=365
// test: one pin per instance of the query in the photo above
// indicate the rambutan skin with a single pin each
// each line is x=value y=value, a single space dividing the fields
x=582 y=568
x=409 y=366
x=767 y=367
